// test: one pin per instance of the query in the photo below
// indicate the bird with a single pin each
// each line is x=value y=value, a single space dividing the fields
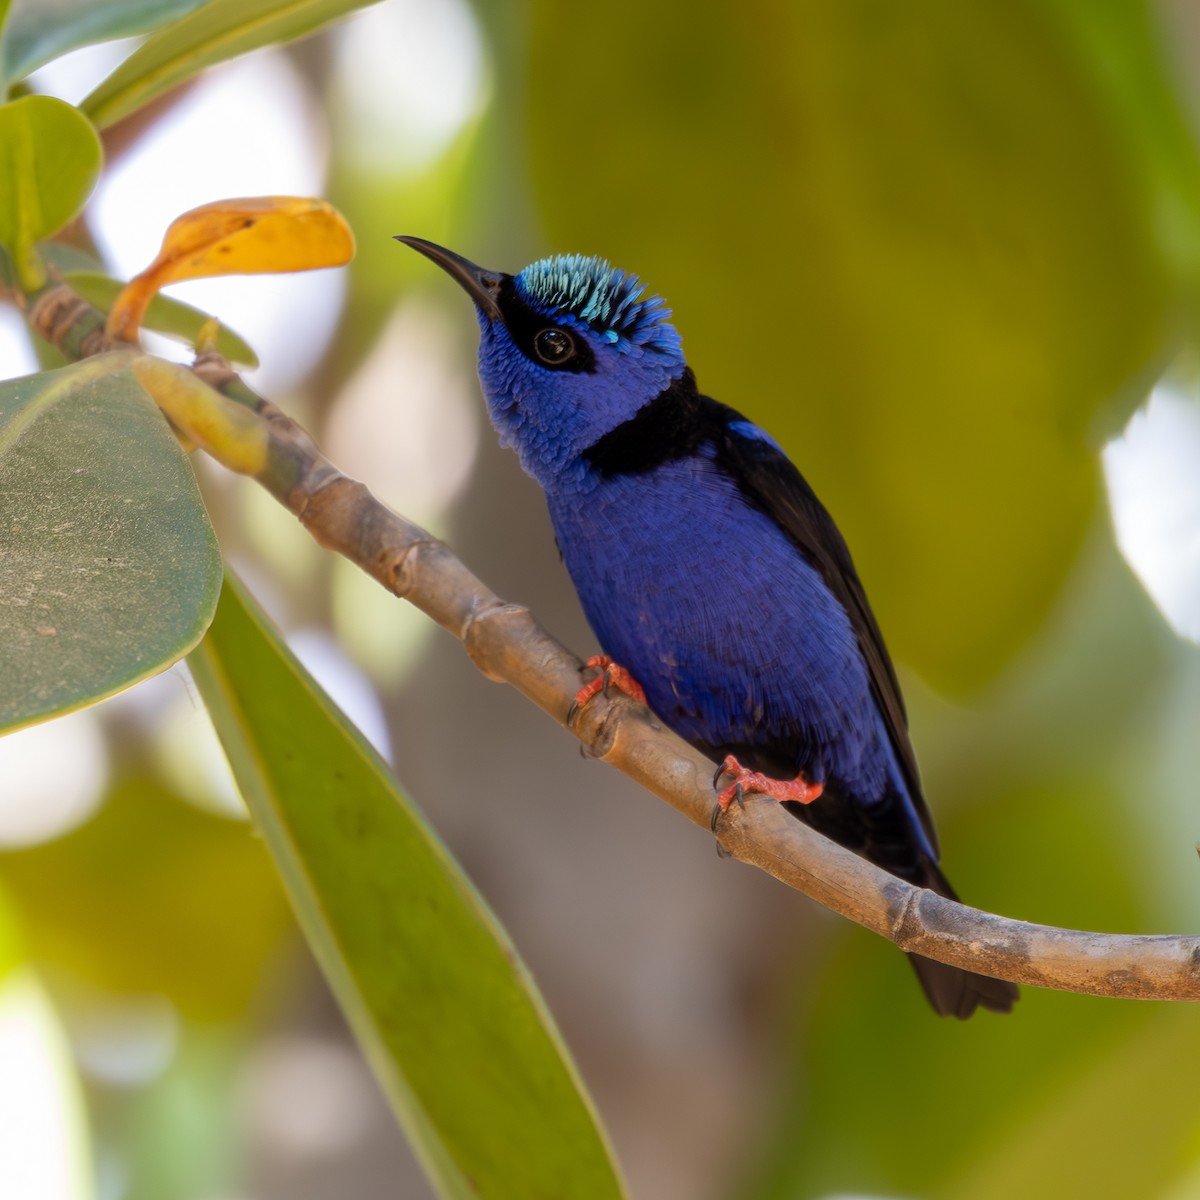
x=717 y=584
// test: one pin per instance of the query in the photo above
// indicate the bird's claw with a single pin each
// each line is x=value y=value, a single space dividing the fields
x=719 y=810
x=611 y=675
x=796 y=791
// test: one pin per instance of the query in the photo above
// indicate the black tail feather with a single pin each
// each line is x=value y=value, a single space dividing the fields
x=883 y=833
x=954 y=992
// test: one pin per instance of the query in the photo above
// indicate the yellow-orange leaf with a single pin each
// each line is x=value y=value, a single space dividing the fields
x=251 y=236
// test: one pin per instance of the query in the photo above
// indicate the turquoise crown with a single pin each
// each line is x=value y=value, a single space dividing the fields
x=612 y=302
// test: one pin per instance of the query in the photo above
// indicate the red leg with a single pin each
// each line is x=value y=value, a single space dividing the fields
x=610 y=675
x=798 y=790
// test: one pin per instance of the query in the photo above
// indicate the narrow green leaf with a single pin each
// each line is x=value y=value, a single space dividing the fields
x=215 y=33
x=50 y=159
x=109 y=569
x=441 y=1004
x=65 y=257
x=39 y=30
x=165 y=315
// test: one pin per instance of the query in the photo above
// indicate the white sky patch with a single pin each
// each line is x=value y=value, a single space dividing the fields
x=347 y=686
x=1153 y=476
x=408 y=421
x=188 y=753
x=248 y=129
x=410 y=75
x=54 y=777
x=16 y=354
x=125 y=1041
x=308 y=1098
x=72 y=76
x=44 y=1151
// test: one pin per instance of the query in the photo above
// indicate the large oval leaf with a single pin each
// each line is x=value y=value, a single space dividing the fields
x=50 y=159
x=906 y=238
x=441 y=1004
x=215 y=33
x=109 y=569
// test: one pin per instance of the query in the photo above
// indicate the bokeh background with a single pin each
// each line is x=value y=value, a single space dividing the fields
x=948 y=253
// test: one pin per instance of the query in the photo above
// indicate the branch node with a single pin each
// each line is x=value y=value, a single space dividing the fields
x=907 y=924
x=214 y=369
x=402 y=567
x=601 y=726
x=56 y=312
x=481 y=643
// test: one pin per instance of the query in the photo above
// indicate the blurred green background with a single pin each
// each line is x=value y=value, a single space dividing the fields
x=944 y=251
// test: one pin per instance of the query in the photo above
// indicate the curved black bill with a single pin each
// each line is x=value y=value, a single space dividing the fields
x=482 y=286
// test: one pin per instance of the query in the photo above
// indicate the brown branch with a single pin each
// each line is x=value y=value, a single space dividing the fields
x=508 y=645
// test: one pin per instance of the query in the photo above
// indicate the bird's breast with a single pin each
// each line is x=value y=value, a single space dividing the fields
x=730 y=630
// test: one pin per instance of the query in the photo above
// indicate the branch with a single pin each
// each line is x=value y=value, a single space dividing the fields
x=212 y=406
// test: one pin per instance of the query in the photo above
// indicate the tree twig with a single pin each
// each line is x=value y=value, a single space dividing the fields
x=509 y=646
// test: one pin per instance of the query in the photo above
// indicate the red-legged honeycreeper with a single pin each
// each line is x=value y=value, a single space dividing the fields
x=707 y=567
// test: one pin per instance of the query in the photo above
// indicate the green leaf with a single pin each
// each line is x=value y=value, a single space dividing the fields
x=39 y=30
x=442 y=1006
x=64 y=258
x=928 y=279
x=215 y=33
x=109 y=569
x=50 y=159
x=165 y=315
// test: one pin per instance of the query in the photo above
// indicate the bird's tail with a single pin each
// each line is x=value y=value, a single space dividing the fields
x=952 y=991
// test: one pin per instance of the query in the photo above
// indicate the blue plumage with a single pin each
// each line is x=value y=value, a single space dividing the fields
x=705 y=564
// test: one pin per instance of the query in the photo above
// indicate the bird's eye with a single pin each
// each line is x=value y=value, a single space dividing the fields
x=554 y=347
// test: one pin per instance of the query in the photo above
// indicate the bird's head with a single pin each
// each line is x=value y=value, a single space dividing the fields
x=569 y=349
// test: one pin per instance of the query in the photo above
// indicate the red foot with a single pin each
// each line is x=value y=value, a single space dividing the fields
x=610 y=676
x=798 y=790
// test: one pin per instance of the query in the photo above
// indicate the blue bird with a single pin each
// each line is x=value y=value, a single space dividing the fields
x=709 y=571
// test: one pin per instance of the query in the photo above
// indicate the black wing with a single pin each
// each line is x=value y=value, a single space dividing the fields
x=771 y=482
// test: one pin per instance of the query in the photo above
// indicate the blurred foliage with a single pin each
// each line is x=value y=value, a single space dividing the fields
x=941 y=251
x=927 y=280
x=147 y=897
